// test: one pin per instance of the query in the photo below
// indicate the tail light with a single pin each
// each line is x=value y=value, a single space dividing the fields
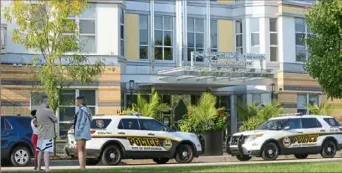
x=92 y=131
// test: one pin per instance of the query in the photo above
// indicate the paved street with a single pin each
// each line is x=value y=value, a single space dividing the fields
x=209 y=161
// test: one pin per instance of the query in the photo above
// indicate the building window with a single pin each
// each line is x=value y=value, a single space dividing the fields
x=256 y=98
x=255 y=39
x=163 y=33
x=302 y=33
x=68 y=109
x=305 y=99
x=143 y=36
x=213 y=35
x=122 y=32
x=87 y=30
x=273 y=40
x=238 y=37
x=195 y=36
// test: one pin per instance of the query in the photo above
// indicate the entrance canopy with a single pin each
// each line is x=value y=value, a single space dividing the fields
x=220 y=68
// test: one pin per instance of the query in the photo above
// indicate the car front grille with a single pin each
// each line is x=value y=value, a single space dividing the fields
x=235 y=140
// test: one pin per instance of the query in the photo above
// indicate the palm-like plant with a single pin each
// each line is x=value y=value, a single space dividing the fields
x=204 y=116
x=146 y=108
x=246 y=111
x=321 y=109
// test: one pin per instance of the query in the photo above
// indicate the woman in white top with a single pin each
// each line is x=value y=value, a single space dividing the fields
x=34 y=137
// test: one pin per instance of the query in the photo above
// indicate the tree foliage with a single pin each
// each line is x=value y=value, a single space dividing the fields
x=261 y=114
x=324 y=19
x=42 y=27
x=146 y=108
x=321 y=109
x=204 y=117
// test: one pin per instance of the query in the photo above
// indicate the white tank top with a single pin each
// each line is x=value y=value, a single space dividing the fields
x=34 y=129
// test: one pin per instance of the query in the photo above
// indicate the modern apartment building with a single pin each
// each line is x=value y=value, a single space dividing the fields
x=158 y=43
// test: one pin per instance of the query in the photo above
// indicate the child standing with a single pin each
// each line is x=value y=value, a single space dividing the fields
x=34 y=137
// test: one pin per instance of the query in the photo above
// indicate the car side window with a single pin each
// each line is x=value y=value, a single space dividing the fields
x=7 y=125
x=294 y=123
x=308 y=123
x=151 y=124
x=129 y=124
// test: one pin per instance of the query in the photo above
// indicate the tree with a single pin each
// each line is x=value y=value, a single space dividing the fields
x=324 y=19
x=42 y=27
x=262 y=114
x=321 y=109
x=146 y=108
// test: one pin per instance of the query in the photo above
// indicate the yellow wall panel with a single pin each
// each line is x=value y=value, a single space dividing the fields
x=225 y=1
x=287 y=97
x=108 y=110
x=225 y=36
x=132 y=37
x=292 y=9
x=113 y=95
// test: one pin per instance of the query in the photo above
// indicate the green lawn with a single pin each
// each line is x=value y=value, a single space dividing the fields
x=276 y=167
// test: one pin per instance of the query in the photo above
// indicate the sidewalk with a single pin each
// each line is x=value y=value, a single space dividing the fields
x=201 y=159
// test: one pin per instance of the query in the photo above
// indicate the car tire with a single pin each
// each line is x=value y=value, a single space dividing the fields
x=243 y=157
x=20 y=156
x=161 y=160
x=329 y=149
x=270 y=151
x=184 y=153
x=92 y=161
x=111 y=155
x=301 y=156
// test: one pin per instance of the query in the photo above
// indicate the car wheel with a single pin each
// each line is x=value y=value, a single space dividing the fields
x=111 y=155
x=328 y=149
x=161 y=160
x=270 y=151
x=301 y=156
x=243 y=157
x=184 y=153
x=92 y=161
x=20 y=156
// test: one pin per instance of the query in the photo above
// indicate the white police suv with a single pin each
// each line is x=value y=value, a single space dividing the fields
x=137 y=137
x=300 y=135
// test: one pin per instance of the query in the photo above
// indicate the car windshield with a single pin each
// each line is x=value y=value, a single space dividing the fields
x=273 y=125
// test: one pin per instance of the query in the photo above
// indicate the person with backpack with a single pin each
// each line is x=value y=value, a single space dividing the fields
x=82 y=129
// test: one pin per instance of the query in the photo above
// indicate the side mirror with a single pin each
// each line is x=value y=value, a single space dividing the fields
x=287 y=128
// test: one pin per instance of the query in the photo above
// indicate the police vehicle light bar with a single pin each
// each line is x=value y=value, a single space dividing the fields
x=290 y=114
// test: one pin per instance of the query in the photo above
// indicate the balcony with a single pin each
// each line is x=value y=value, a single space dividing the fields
x=3 y=36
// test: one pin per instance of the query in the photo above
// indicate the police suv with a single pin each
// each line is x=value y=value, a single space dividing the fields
x=300 y=135
x=137 y=137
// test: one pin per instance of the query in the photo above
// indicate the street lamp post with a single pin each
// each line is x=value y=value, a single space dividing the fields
x=131 y=87
x=272 y=91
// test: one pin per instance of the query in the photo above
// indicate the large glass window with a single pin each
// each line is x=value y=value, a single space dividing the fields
x=213 y=35
x=302 y=33
x=86 y=23
x=273 y=40
x=238 y=37
x=122 y=32
x=305 y=99
x=68 y=109
x=143 y=36
x=163 y=35
x=255 y=39
x=195 y=36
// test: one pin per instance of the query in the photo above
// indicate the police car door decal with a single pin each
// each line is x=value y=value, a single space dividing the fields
x=143 y=143
x=307 y=140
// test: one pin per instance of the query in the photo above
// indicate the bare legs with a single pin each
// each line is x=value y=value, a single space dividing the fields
x=46 y=160
x=82 y=154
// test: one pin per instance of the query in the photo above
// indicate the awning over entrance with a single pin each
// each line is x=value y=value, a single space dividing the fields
x=217 y=68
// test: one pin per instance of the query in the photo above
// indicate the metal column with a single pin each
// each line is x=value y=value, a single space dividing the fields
x=151 y=48
x=233 y=114
x=179 y=33
x=207 y=35
x=185 y=30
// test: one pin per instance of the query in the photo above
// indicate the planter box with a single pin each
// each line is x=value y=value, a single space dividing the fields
x=213 y=143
